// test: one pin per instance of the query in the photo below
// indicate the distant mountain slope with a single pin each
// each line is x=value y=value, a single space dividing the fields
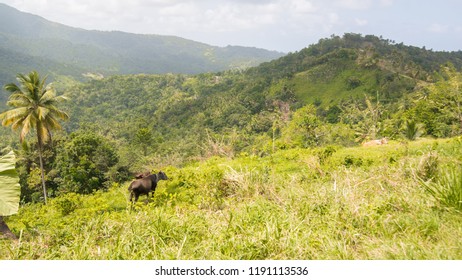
x=114 y=52
x=12 y=62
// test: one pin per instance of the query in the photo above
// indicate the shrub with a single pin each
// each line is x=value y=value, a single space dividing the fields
x=68 y=203
x=352 y=161
x=325 y=153
x=84 y=163
x=353 y=82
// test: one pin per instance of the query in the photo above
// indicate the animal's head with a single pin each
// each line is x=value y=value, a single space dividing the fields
x=383 y=141
x=162 y=176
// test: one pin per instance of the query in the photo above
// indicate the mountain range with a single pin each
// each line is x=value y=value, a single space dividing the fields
x=31 y=42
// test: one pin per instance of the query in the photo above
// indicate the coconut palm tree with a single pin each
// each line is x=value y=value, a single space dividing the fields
x=35 y=107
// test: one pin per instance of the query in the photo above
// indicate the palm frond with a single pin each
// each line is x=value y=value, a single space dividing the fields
x=55 y=112
x=42 y=113
x=48 y=95
x=13 y=88
x=42 y=132
x=11 y=116
x=18 y=103
x=61 y=98
x=17 y=123
x=26 y=125
x=52 y=124
x=19 y=95
x=41 y=85
x=26 y=84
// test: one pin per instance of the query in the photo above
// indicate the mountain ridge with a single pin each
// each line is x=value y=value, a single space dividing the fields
x=117 y=52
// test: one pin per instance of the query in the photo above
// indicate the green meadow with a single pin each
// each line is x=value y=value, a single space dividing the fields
x=395 y=201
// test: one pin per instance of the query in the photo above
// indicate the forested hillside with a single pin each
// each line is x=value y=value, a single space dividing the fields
x=62 y=50
x=342 y=81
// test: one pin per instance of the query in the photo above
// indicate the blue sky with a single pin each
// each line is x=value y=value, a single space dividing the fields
x=282 y=25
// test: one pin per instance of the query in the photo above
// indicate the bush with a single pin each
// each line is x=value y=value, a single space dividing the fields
x=412 y=130
x=352 y=161
x=353 y=82
x=84 y=163
x=325 y=153
x=67 y=203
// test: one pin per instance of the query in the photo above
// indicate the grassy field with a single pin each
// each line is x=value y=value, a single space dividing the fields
x=324 y=203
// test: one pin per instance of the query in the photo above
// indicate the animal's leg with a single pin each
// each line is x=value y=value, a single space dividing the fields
x=136 y=197
x=131 y=196
x=147 y=198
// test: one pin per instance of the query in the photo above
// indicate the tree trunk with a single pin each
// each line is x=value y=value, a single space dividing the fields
x=5 y=230
x=41 y=167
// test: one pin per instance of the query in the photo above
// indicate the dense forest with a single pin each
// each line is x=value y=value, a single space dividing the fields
x=241 y=135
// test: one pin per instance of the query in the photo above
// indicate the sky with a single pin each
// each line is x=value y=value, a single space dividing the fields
x=281 y=25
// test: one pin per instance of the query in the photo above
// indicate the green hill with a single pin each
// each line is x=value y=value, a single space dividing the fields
x=13 y=62
x=113 y=52
x=339 y=76
x=338 y=67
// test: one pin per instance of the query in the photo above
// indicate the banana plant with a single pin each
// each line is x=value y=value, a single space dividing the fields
x=9 y=192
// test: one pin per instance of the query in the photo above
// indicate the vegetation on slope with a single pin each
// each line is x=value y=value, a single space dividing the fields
x=108 y=53
x=322 y=203
x=174 y=119
x=340 y=82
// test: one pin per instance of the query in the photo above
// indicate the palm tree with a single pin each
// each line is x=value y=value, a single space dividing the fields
x=34 y=108
x=412 y=130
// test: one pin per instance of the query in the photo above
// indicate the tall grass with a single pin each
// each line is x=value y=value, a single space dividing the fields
x=447 y=188
x=291 y=205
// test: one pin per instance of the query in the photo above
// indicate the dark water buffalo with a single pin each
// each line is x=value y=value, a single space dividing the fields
x=145 y=185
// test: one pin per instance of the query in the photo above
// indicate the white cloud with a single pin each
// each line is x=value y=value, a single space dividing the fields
x=438 y=28
x=301 y=6
x=361 y=22
x=386 y=3
x=354 y=4
x=179 y=10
